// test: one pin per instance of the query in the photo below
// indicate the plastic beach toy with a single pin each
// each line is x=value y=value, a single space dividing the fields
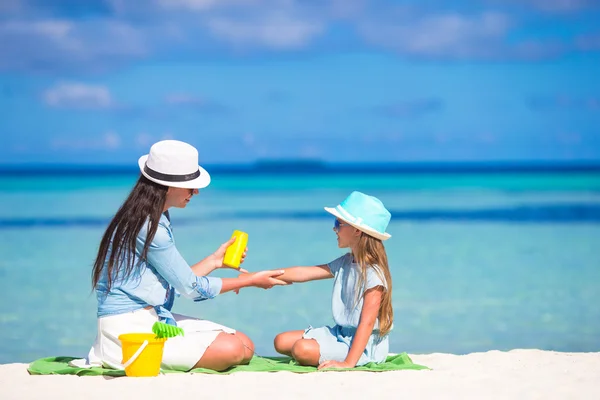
x=162 y=330
x=142 y=352
x=233 y=254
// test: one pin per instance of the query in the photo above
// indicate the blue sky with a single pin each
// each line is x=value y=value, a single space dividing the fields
x=97 y=82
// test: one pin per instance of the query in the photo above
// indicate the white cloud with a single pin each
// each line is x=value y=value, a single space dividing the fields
x=556 y=6
x=78 y=95
x=10 y=6
x=194 y=5
x=276 y=30
x=29 y=40
x=52 y=29
x=560 y=5
x=450 y=34
x=347 y=8
x=206 y=5
x=47 y=44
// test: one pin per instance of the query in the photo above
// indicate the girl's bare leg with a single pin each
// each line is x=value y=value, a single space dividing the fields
x=285 y=341
x=307 y=352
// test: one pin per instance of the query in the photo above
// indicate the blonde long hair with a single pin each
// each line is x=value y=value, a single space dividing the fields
x=369 y=252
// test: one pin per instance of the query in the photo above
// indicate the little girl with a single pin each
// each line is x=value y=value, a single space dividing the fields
x=362 y=292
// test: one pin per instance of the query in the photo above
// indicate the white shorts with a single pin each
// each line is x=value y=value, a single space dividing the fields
x=180 y=353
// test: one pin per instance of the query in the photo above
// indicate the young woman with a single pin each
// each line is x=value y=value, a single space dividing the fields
x=138 y=270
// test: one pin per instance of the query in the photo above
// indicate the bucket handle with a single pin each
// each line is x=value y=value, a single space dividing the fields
x=136 y=354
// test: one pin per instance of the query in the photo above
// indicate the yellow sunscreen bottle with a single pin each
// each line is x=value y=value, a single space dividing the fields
x=233 y=254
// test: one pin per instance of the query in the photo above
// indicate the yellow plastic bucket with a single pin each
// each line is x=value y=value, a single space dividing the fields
x=142 y=353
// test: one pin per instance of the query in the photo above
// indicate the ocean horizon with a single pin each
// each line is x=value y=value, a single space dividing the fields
x=311 y=166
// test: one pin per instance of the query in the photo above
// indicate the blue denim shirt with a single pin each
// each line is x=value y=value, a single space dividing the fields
x=156 y=281
x=345 y=307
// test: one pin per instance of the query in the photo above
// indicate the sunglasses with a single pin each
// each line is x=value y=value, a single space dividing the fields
x=337 y=224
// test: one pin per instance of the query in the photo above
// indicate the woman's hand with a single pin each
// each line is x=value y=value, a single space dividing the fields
x=267 y=279
x=217 y=256
x=335 y=365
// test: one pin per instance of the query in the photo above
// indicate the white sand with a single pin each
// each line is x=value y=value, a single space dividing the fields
x=517 y=374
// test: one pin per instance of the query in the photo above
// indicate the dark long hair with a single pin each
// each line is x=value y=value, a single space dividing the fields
x=145 y=202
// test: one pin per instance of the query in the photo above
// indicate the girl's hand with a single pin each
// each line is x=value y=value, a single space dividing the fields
x=217 y=256
x=335 y=365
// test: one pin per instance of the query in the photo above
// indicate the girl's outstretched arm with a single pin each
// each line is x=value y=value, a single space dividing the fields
x=305 y=274
x=368 y=316
x=293 y=274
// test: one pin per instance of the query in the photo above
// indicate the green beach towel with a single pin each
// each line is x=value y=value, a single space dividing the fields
x=60 y=366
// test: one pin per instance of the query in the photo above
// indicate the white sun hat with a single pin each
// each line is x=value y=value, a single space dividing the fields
x=365 y=213
x=174 y=163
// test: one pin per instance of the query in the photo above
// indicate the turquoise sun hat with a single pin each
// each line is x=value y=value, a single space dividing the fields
x=364 y=212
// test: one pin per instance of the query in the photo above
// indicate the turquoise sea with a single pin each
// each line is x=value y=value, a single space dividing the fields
x=479 y=261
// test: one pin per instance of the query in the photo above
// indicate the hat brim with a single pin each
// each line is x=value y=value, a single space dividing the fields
x=367 y=230
x=200 y=182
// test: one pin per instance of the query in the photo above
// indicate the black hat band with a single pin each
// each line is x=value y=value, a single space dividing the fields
x=171 y=178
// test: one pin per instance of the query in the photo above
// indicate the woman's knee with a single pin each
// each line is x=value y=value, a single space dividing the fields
x=247 y=344
x=228 y=348
x=235 y=349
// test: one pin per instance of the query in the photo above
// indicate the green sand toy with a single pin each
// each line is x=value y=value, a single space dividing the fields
x=162 y=330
